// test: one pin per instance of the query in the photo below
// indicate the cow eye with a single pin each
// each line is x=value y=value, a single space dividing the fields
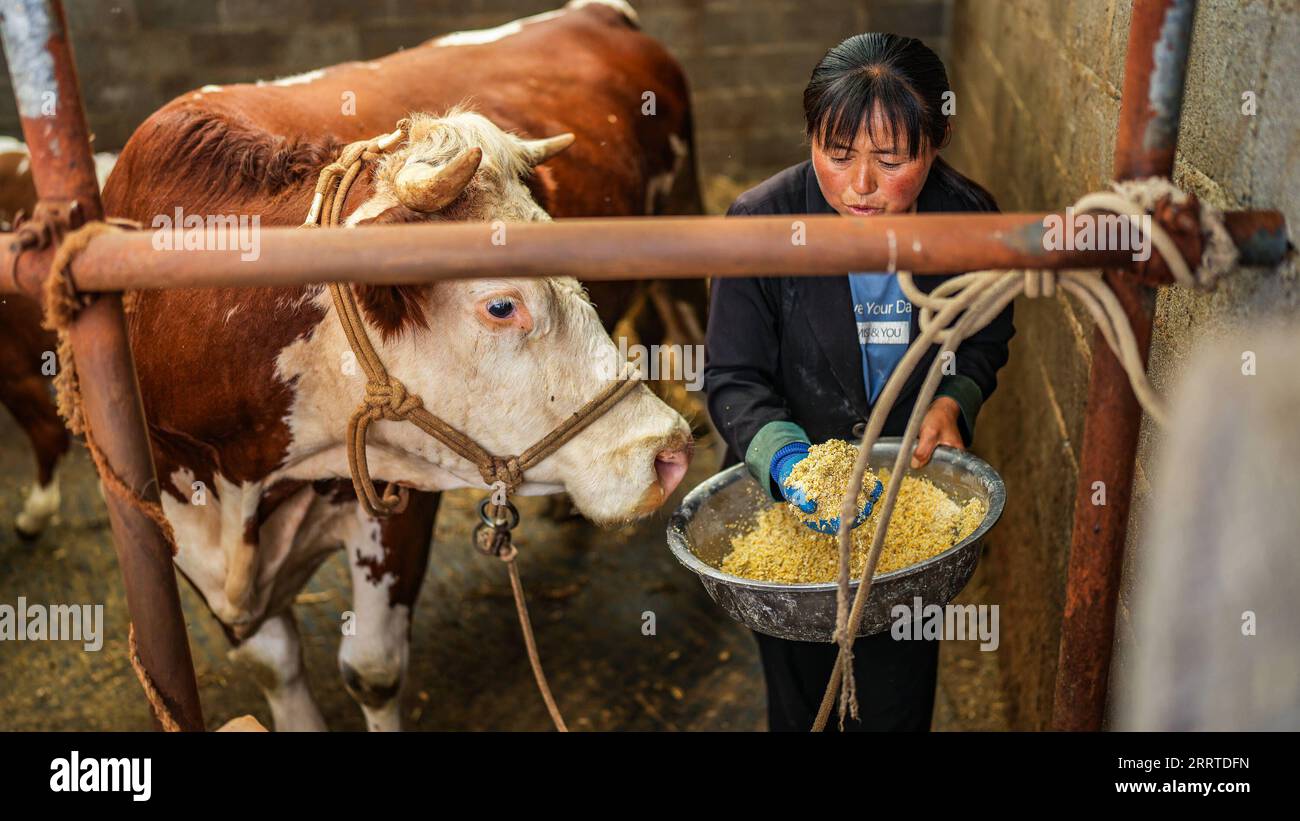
x=501 y=308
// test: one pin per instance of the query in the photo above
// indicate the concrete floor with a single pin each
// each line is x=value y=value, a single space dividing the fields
x=587 y=590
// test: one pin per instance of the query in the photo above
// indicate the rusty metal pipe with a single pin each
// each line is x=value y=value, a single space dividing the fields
x=49 y=102
x=1155 y=68
x=601 y=249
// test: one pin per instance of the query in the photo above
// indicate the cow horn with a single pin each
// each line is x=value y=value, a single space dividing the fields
x=424 y=188
x=539 y=151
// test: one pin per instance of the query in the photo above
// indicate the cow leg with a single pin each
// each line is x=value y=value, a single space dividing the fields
x=39 y=508
x=387 y=560
x=28 y=400
x=274 y=656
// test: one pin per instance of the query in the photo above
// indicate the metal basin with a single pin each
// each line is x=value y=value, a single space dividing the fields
x=699 y=538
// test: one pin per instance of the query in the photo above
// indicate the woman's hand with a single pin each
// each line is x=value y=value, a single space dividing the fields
x=939 y=427
x=783 y=463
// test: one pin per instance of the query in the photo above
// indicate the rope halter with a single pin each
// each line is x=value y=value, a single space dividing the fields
x=386 y=397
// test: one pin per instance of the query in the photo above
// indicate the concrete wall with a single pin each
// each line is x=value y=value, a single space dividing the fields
x=1038 y=86
x=748 y=60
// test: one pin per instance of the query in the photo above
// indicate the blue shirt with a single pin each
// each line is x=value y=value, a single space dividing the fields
x=884 y=320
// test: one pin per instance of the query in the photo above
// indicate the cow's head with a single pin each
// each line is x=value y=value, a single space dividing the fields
x=459 y=166
x=503 y=360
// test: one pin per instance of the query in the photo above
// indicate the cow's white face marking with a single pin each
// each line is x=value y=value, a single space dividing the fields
x=505 y=385
x=505 y=382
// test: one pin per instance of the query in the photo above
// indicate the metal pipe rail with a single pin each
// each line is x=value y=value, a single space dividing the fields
x=602 y=249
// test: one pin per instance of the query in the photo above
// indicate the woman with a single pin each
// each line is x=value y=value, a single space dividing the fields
x=800 y=360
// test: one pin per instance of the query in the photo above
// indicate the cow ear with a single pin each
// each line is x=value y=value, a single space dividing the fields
x=393 y=308
x=539 y=151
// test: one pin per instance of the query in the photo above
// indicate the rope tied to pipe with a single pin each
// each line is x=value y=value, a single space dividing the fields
x=151 y=692
x=962 y=305
x=62 y=303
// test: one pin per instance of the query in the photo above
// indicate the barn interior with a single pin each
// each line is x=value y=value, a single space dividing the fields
x=1038 y=89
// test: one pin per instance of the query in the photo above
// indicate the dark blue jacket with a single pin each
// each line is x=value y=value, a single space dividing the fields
x=785 y=349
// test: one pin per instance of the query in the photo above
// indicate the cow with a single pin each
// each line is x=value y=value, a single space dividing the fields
x=247 y=391
x=27 y=360
x=26 y=363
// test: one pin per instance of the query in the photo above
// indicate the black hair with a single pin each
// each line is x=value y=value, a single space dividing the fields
x=908 y=81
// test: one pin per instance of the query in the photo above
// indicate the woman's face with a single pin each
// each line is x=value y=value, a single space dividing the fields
x=866 y=179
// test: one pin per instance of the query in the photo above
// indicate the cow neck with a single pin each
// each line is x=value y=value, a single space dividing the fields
x=386 y=397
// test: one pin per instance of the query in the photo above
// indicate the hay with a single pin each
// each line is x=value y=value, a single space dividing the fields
x=780 y=548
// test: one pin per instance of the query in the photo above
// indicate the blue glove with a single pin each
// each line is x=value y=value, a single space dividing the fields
x=783 y=461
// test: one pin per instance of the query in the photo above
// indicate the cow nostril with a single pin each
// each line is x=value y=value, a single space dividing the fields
x=670 y=466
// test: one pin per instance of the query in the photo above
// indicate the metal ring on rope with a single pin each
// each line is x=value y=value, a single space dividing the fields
x=493 y=522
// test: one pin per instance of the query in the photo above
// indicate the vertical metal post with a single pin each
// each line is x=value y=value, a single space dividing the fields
x=1154 y=71
x=54 y=125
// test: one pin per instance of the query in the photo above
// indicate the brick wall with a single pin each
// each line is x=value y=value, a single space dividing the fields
x=1038 y=87
x=747 y=60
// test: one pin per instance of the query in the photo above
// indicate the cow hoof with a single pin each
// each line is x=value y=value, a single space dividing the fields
x=372 y=694
x=26 y=535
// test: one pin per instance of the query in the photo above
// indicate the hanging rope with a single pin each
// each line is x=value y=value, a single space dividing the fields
x=961 y=306
x=151 y=692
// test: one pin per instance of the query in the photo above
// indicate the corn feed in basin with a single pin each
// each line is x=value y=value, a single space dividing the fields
x=778 y=547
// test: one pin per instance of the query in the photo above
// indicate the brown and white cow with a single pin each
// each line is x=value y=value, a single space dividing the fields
x=26 y=368
x=27 y=352
x=248 y=391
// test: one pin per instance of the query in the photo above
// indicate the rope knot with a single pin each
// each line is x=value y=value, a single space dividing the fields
x=506 y=470
x=390 y=400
